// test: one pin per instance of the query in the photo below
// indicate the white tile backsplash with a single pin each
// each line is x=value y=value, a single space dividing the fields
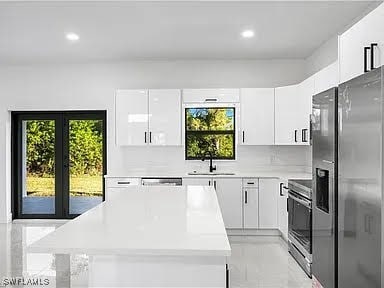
x=249 y=158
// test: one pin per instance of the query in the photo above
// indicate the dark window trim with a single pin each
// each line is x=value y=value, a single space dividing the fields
x=61 y=117
x=210 y=132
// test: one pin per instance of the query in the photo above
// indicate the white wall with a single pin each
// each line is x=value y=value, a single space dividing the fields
x=92 y=86
x=325 y=55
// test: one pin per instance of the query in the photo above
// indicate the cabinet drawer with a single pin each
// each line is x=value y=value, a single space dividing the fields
x=122 y=182
x=251 y=182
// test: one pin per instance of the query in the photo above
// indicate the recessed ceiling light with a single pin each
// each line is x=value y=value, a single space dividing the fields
x=72 y=37
x=247 y=34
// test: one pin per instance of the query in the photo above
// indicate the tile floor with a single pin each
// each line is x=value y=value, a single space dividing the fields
x=256 y=262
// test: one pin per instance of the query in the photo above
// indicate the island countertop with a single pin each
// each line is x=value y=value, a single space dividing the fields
x=145 y=220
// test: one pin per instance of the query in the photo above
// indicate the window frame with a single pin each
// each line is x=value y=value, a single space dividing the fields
x=210 y=132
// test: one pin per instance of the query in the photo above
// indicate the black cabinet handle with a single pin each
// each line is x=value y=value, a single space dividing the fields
x=123 y=182
x=145 y=137
x=287 y=206
x=296 y=136
x=150 y=137
x=365 y=58
x=281 y=189
x=251 y=183
x=373 y=45
x=246 y=196
x=214 y=184
x=209 y=182
x=243 y=136
x=211 y=100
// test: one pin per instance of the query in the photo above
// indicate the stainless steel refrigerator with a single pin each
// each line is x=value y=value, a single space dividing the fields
x=324 y=187
x=360 y=181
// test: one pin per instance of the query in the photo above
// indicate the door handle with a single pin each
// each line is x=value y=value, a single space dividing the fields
x=373 y=45
x=281 y=189
x=287 y=205
x=145 y=137
x=295 y=136
x=365 y=58
x=246 y=196
x=150 y=137
x=304 y=135
x=243 y=136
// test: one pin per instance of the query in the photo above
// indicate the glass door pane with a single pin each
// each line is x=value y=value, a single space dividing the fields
x=38 y=166
x=85 y=165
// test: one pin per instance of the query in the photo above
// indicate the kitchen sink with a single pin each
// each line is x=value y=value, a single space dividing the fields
x=211 y=173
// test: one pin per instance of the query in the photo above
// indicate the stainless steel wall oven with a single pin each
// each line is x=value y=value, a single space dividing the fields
x=300 y=222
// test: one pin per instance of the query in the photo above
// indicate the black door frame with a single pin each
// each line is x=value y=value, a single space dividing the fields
x=61 y=158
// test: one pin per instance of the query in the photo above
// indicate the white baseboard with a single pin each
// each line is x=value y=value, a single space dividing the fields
x=9 y=218
x=253 y=232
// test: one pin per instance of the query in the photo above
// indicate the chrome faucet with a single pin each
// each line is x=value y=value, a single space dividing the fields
x=211 y=167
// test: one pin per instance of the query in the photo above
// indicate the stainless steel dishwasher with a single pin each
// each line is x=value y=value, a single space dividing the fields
x=161 y=181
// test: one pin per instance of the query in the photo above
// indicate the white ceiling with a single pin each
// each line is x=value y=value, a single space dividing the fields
x=34 y=32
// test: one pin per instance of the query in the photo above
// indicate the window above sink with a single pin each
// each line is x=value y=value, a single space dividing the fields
x=210 y=130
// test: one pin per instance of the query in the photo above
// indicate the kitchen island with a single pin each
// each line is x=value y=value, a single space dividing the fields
x=148 y=236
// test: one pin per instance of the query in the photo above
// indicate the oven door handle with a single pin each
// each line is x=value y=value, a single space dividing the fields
x=301 y=201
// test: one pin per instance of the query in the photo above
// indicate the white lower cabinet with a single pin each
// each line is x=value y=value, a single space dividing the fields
x=282 y=208
x=229 y=195
x=230 y=200
x=250 y=208
x=118 y=184
x=197 y=181
x=268 y=197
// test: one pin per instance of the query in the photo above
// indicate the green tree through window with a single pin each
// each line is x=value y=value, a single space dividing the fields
x=210 y=130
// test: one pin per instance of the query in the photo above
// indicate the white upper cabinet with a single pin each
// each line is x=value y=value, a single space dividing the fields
x=306 y=90
x=131 y=117
x=352 y=43
x=148 y=117
x=327 y=78
x=211 y=95
x=165 y=117
x=286 y=116
x=257 y=116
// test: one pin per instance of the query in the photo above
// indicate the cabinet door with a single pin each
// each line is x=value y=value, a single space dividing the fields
x=327 y=78
x=303 y=110
x=251 y=208
x=268 y=197
x=197 y=181
x=131 y=112
x=286 y=117
x=282 y=209
x=257 y=116
x=165 y=117
x=352 y=42
x=229 y=194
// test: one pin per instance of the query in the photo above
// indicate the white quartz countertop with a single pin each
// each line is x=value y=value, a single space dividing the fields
x=145 y=220
x=279 y=174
